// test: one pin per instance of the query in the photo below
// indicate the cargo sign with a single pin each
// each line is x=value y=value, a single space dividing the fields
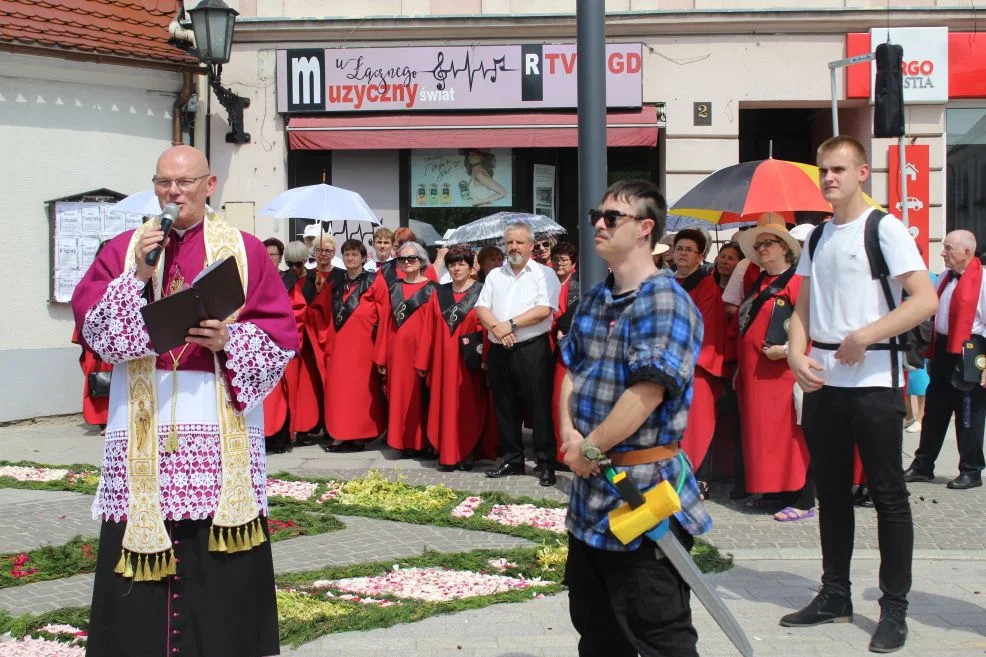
x=437 y=78
x=925 y=66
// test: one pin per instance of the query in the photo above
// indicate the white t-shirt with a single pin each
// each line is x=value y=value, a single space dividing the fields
x=845 y=297
x=508 y=295
x=733 y=294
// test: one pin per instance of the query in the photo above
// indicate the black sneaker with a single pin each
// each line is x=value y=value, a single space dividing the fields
x=891 y=631
x=823 y=609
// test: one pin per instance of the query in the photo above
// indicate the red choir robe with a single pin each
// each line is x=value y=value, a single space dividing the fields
x=94 y=409
x=460 y=419
x=355 y=410
x=297 y=397
x=402 y=322
x=316 y=339
x=568 y=296
x=710 y=367
x=775 y=455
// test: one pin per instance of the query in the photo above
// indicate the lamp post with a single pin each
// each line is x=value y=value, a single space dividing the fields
x=212 y=23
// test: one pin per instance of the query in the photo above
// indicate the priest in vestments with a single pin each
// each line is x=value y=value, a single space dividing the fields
x=460 y=421
x=184 y=564
x=689 y=251
x=402 y=322
x=354 y=411
x=775 y=455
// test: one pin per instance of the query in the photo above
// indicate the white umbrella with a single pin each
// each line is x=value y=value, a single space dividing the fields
x=322 y=202
x=490 y=229
x=143 y=203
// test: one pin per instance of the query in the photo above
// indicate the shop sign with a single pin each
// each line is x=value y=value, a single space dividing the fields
x=461 y=178
x=436 y=78
x=925 y=68
x=918 y=191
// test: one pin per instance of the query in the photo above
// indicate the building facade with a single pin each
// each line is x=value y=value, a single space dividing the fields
x=446 y=110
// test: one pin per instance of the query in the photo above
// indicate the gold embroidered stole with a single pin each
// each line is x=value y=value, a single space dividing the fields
x=147 y=553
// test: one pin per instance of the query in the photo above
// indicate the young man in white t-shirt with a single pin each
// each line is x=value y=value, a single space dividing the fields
x=850 y=395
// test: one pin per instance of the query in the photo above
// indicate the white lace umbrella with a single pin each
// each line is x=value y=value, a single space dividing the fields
x=322 y=202
x=490 y=229
x=144 y=203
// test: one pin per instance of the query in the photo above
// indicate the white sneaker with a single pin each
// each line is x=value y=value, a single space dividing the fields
x=914 y=428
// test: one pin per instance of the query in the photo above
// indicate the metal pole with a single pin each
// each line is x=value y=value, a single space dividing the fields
x=835 y=105
x=902 y=163
x=590 y=25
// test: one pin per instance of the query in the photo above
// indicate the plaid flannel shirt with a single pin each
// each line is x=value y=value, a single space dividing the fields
x=653 y=334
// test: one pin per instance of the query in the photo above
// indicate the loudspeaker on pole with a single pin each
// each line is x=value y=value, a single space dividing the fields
x=888 y=113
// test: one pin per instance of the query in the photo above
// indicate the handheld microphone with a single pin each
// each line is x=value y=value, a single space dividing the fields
x=168 y=216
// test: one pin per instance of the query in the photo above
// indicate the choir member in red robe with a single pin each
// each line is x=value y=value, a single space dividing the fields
x=563 y=259
x=354 y=410
x=689 y=252
x=402 y=323
x=775 y=456
x=94 y=407
x=460 y=421
x=293 y=406
x=318 y=290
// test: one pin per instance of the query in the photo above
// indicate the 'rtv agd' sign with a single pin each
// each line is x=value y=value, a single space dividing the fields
x=434 y=78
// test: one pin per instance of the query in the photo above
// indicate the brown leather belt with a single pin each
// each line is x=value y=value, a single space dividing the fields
x=642 y=456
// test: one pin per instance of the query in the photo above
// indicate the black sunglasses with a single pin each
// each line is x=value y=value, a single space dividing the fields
x=296 y=264
x=542 y=246
x=610 y=217
x=408 y=258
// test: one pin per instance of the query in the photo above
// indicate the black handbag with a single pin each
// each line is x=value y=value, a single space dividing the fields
x=99 y=383
x=471 y=347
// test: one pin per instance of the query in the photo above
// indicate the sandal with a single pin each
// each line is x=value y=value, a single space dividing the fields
x=703 y=488
x=789 y=513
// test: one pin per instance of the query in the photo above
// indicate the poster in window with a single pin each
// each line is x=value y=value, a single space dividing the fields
x=544 y=190
x=461 y=178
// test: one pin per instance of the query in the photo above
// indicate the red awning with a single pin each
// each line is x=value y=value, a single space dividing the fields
x=554 y=130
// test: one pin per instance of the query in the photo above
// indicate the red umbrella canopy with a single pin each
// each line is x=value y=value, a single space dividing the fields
x=749 y=189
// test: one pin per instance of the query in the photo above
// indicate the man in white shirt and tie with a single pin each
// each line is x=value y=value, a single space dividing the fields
x=516 y=307
x=961 y=315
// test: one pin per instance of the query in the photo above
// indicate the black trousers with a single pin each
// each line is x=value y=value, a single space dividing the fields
x=871 y=418
x=941 y=402
x=521 y=379
x=627 y=603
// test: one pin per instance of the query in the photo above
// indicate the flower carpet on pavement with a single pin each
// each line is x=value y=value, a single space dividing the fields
x=335 y=598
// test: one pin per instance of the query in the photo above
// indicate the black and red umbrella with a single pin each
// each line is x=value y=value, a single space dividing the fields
x=748 y=189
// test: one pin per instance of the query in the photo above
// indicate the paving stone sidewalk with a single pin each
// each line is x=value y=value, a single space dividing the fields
x=947 y=619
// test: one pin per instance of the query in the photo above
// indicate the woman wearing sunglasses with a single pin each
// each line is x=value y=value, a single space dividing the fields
x=293 y=408
x=542 y=251
x=689 y=256
x=402 y=325
x=775 y=455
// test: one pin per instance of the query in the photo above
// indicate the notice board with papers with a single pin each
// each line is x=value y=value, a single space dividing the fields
x=77 y=225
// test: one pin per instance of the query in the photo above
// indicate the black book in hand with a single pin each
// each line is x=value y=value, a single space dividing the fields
x=214 y=294
x=780 y=319
x=973 y=359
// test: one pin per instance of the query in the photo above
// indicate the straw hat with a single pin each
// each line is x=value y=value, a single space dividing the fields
x=660 y=249
x=748 y=237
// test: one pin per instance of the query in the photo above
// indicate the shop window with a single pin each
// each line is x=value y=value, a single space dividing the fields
x=965 y=172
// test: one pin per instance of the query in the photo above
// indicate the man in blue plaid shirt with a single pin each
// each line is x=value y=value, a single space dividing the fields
x=631 y=357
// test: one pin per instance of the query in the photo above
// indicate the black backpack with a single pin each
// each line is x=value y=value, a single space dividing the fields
x=912 y=343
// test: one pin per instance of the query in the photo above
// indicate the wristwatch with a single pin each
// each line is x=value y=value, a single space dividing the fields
x=592 y=453
x=513 y=326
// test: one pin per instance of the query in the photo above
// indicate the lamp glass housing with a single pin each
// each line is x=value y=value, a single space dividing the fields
x=213 y=22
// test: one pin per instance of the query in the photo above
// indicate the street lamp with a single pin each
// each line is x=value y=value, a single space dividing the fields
x=212 y=23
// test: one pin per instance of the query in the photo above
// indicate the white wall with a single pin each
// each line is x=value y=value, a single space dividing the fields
x=66 y=128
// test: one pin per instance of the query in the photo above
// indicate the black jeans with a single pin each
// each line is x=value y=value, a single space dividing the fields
x=521 y=379
x=871 y=418
x=627 y=603
x=943 y=400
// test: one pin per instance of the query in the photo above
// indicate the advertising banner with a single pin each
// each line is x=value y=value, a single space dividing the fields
x=461 y=178
x=925 y=66
x=918 y=191
x=440 y=78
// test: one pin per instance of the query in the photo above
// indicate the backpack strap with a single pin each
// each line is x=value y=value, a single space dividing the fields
x=813 y=240
x=880 y=271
